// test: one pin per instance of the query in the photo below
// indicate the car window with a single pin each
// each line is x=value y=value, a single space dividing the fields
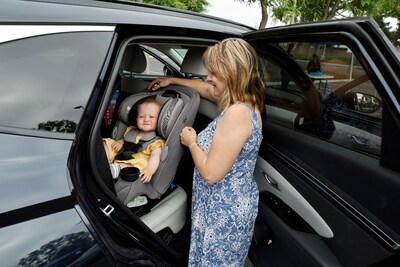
x=46 y=80
x=341 y=105
x=156 y=60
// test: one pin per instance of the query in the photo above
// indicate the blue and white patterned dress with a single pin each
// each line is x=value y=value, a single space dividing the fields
x=223 y=214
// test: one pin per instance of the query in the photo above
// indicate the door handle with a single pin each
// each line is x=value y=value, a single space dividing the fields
x=359 y=140
x=271 y=181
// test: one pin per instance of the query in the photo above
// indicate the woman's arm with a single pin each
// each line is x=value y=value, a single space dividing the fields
x=204 y=89
x=231 y=134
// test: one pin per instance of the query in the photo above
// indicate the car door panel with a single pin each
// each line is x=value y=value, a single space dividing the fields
x=330 y=169
x=336 y=215
x=271 y=180
x=310 y=249
x=327 y=198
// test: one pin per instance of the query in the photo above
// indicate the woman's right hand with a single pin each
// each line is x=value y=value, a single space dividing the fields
x=159 y=83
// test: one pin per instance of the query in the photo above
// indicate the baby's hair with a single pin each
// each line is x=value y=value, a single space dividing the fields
x=133 y=113
x=150 y=100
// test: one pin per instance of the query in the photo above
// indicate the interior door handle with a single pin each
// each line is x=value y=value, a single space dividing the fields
x=271 y=181
x=359 y=140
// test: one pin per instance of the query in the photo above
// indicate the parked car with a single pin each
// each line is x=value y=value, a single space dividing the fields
x=328 y=168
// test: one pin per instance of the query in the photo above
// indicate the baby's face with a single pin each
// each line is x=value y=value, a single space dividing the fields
x=147 y=116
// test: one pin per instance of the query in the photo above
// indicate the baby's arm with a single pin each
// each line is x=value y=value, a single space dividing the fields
x=117 y=145
x=152 y=166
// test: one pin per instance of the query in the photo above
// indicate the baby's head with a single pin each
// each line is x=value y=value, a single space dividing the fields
x=147 y=115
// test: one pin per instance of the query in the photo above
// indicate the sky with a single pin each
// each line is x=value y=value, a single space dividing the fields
x=234 y=10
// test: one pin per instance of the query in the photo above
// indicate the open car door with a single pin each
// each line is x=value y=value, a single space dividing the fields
x=328 y=170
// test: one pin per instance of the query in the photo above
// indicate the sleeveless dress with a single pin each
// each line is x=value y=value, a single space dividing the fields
x=223 y=214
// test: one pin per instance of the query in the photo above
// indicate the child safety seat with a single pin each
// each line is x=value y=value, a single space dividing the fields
x=179 y=107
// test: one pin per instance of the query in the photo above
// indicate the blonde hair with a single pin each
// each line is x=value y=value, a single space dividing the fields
x=149 y=101
x=235 y=62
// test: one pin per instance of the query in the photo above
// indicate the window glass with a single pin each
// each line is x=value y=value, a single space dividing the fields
x=331 y=97
x=155 y=66
x=46 y=80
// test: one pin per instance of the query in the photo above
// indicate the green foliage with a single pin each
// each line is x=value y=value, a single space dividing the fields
x=292 y=11
x=392 y=10
x=191 y=5
x=314 y=10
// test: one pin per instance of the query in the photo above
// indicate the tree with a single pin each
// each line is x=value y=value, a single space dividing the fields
x=191 y=5
x=394 y=36
x=292 y=11
x=264 y=4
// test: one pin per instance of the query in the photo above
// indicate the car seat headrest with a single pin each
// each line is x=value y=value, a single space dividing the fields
x=169 y=113
x=134 y=59
x=171 y=107
x=193 y=62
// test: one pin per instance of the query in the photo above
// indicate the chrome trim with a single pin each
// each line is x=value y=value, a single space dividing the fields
x=15 y=32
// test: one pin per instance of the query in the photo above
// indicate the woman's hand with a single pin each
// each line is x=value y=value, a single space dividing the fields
x=159 y=83
x=188 y=136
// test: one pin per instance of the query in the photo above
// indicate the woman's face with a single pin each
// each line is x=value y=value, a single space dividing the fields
x=219 y=86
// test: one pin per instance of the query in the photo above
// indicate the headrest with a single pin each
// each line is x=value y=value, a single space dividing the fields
x=169 y=113
x=134 y=59
x=171 y=107
x=193 y=61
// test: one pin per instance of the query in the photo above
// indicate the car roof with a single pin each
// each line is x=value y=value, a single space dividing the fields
x=111 y=13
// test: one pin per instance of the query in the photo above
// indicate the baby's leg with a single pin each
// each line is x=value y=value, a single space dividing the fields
x=124 y=165
x=107 y=142
x=106 y=150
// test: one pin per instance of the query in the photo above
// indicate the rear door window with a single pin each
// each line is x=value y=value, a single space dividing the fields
x=46 y=80
x=342 y=105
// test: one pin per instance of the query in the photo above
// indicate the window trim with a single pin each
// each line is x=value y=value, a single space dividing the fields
x=15 y=32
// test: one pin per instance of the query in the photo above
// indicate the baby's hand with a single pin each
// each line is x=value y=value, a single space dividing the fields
x=117 y=145
x=145 y=176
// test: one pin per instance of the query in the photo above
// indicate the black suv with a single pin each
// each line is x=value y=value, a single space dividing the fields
x=328 y=169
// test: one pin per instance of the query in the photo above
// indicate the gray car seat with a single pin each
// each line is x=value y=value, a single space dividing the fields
x=179 y=108
x=193 y=63
x=166 y=207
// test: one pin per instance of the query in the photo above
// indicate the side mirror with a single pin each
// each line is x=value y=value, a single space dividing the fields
x=366 y=103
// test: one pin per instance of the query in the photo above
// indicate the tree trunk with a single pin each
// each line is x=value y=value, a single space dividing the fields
x=264 y=14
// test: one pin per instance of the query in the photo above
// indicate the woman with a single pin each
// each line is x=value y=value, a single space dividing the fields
x=225 y=195
x=314 y=65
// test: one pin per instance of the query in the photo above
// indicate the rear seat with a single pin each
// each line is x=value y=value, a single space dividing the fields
x=167 y=202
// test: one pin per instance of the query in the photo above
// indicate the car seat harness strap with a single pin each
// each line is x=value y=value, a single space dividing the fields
x=130 y=147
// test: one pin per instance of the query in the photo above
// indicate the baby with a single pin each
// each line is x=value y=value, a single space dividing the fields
x=143 y=150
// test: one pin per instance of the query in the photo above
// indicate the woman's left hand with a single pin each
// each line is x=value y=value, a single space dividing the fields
x=188 y=136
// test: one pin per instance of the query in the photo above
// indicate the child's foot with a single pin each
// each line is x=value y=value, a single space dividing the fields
x=115 y=169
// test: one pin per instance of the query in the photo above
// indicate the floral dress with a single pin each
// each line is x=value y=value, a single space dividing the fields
x=223 y=214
